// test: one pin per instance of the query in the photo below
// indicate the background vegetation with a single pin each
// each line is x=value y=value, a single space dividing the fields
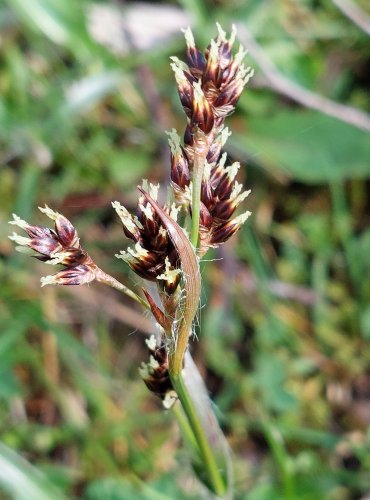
x=85 y=98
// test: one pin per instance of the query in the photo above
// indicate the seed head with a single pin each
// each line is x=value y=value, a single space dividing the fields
x=60 y=245
x=155 y=372
x=209 y=86
x=153 y=256
x=221 y=75
x=221 y=195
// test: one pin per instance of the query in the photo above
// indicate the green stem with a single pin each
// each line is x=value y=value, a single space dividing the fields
x=206 y=453
x=195 y=211
x=201 y=148
x=283 y=460
x=186 y=430
x=106 y=279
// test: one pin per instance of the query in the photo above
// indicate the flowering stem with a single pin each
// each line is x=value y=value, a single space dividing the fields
x=186 y=430
x=191 y=426
x=201 y=147
x=106 y=279
x=215 y=478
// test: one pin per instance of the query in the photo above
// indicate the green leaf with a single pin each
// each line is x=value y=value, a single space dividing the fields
x=22 y=480
x=123 y=489
x=86 y=93
x=269 y=378
x=307 y=146
x=46 y=16
x=128 y=166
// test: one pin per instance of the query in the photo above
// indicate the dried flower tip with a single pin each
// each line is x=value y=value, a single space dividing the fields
x=242 y=196
x=213 y=53
x=170 y=275
x=174 y=211
x=49 y=212
x=180 y=77
x=151 y=342
x=143 y=371
x=249 y=75
x=222 y=161
x=198 y=93
x=153 y=191
x=236 y=190
x=126 y=218
x=174 y=141
x=151 y=188
x=58 y=258
x=182 y=195
x=233 y=34
x=17 y=221
x=223 y=136
x=221 y=34
x=132 y=255
x=145 y=207
x=239 y=56
x=153 y=364
x=147 y=211
x=20 y=240
x=47 y=280
x=241 y=219
x=189 y=37
x=169 y=399
x=180 y=64
x=232 y=170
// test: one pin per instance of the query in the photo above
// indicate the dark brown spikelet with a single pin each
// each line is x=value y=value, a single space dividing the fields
x=60 y=245
x=154 y=256
x=209 y=85
x=155 y=372
x=220 y=197
x=216 y=79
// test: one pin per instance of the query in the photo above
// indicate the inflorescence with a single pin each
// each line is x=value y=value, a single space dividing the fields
x=209 y=87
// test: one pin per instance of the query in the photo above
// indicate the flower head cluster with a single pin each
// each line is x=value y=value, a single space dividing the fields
x=209 y=86
x=153 y=256
x=220 y=196
x=155 y=372
x=60 y=245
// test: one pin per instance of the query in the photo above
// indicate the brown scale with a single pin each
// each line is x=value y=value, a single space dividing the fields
x=221 y=84
x=159 y=381
x=158 y=246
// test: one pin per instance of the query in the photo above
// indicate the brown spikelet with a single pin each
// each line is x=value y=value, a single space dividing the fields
x=60 y=245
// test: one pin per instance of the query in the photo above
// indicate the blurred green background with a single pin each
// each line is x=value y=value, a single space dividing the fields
x=86 y=93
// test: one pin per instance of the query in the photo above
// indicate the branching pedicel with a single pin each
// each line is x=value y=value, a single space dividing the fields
x=202 y=189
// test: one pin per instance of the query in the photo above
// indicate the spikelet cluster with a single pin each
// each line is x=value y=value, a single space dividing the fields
x=153 y=256
x=209 y=86
x=155 y=372
x=60 y=245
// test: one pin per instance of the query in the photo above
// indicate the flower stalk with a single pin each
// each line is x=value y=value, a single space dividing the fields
x=106 y=279
x=201 y=148
x=203 y=189
x=215 y=480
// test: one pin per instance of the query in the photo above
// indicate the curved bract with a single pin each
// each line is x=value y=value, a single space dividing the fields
x=192 y=282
